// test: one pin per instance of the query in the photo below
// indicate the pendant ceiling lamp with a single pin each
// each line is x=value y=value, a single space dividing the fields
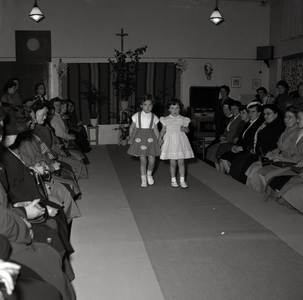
x=36 y=13
x=216 y=16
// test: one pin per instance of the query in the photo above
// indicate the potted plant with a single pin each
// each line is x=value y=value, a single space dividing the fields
x=125 y=66
x=124 y=121
x=95 y=100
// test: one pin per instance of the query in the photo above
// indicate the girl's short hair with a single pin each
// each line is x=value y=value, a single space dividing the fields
x=174 y=101
x=146 y=97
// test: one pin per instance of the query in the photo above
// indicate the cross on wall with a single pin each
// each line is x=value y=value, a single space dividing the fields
x=122 y=34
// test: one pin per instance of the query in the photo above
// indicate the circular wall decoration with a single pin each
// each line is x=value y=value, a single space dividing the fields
x=33 y=44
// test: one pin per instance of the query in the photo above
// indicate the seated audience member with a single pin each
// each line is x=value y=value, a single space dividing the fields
x=298 y=101
x=30 y=152
x=21 y=282
x=265 y=140
x=287 y=189
x=226 y=118
x=42 y=258
x=257 y=175
x=40 y=91
x=228 y=135
x=226 y=147
x=283 y=98
x=55 y=147
x=9 y=89
x=58 y=123
x=16 y=97
x=261 y=92
x=81 y=139
x=23 y=186
x=277 y=182
x=73 y=122
x=246 y=139
x=224 y=91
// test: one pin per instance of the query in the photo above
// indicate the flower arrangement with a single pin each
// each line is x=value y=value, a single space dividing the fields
x=181 y=65
x=62 y=69
x=124 y=119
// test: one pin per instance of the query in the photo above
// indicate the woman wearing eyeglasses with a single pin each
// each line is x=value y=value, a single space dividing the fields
x=287 y=151
x=246 y=138
x=265 y=140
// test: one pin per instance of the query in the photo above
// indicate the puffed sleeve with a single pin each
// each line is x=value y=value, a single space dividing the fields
x=186 y=121
x=156 y=119
x=135 y=118
x=162 y=120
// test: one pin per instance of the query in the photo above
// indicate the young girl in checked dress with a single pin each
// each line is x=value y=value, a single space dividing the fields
x=143 y=139
x=174 y=142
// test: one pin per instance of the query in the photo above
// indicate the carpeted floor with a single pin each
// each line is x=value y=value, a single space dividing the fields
x=203 y=247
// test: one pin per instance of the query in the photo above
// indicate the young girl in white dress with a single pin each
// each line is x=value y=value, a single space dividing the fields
x=174 y=142
x=143 y=139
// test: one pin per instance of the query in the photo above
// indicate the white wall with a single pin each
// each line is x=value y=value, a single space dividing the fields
x=85 y=30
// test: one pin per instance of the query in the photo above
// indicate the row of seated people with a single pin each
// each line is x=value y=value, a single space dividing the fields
x=262 y=147
x=65 y=108
x=39 y=175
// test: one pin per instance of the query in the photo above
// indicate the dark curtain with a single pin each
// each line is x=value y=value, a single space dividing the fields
x=162 y=80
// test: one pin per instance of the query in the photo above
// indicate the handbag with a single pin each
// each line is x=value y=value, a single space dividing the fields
x=265 y=161
x=283 y=164
x=296 y=169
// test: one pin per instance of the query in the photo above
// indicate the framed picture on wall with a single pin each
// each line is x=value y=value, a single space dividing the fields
x=256 y=83
x=236 y=81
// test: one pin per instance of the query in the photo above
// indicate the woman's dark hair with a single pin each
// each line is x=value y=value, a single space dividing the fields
x=228 y=104
x=63 y=102
x=39 y=106
x=70 y=101
x=262 y=89
x=174 y=101
x=243 y=107
x=284 y=84
x=37 y=86
x=14 y=78
x=292 y=109
x=146 y=97
x=236 y=103
x=272 y=107
x=54 y=100
x=226 y=88
x=8 y=85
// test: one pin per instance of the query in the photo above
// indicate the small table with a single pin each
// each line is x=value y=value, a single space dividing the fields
x=93 y=134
